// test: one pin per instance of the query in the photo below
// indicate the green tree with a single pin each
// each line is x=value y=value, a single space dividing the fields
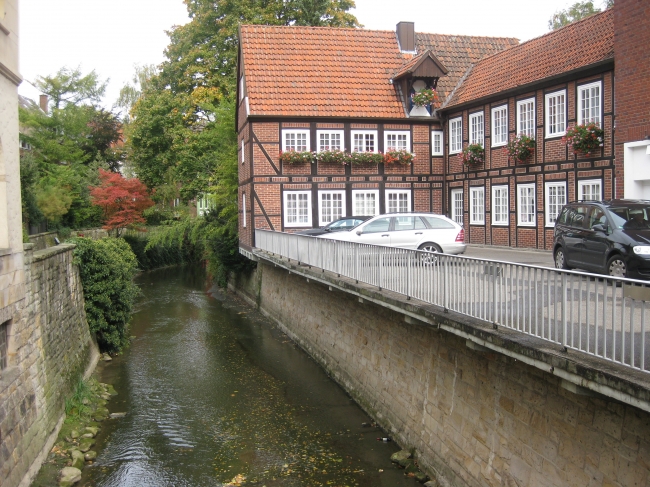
x=577 y=11
x=68 y=86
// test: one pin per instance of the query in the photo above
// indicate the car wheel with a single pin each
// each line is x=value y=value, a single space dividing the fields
x=616 y=267
x=428 y=249
x=560 y=259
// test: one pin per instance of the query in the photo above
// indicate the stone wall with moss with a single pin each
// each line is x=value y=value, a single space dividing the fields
x=49 y=349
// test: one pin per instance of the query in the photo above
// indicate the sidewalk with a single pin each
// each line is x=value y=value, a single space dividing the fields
x=508 y=254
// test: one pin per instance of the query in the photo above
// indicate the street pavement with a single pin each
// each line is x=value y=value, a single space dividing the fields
x=542 y=258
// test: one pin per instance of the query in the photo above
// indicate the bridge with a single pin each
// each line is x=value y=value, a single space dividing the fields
x=469 y=360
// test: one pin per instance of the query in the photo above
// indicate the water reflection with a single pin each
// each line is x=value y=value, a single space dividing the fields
x=214 y=393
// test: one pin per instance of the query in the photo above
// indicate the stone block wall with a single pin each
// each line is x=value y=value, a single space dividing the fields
x=50 y=348
x=475 y=418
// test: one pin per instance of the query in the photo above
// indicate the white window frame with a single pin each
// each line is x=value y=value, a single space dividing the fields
x=364 y=133
x=437 y=141
x=499 y=125
x=590 y=182
x=549 y=215
x=241 y=88
x=286 y=132
x=356 y=192
x=398 y=192
x=321 y=217
x=457 y=207
x=580 y=103
x=243 y=151
x=455 y=135
x=477 y=205
x=526 y=119
x=243 y=204
x=397 y=133
x=476 y=125
x=559 y=125
x=329 y=133
x=285 y=207
x=500 y=213
x=523 y=190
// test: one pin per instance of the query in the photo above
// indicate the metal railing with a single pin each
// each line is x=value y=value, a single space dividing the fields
x=599 y=315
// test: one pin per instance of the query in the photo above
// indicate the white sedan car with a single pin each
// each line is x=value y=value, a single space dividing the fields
x=422 y=231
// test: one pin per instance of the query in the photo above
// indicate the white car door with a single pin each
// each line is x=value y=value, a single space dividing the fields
x=407 y=232
x=375 y=232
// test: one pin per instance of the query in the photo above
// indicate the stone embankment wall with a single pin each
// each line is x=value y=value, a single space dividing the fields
x=50 y=347
x=474 y=418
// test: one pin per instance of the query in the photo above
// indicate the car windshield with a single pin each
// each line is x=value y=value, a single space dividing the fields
x=631 y=217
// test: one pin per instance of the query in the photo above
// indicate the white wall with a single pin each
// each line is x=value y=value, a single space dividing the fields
x=637 y=170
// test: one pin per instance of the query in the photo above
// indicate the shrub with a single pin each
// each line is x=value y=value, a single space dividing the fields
x=160 y=255
x=107 y=268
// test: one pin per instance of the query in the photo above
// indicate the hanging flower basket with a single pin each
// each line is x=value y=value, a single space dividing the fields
x=398 y=157
x=332 y=157
x=584 y=138
x=426 y=97
x=295 y=157
x=366 y=157
x=521 y=148
x=473 y=155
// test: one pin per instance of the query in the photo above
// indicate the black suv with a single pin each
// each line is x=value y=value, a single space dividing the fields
x=608 y=237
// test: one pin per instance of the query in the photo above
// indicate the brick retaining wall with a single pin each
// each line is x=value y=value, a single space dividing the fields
x=50 y=348
x=475 y=418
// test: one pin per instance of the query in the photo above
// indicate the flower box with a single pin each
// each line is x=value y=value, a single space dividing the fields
x=473 y=155
x=398 y=157
x=296 y=157
x=584 y=139
x=521 y=148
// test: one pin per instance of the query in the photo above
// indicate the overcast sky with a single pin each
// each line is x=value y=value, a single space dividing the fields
x=112 y=36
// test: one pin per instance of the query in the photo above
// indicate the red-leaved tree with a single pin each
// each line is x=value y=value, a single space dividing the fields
x=123 y=200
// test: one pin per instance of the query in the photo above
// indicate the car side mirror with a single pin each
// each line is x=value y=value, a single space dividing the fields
x=359 y=232
x=327 y=229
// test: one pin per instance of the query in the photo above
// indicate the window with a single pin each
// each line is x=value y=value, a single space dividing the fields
x=555 y=200
x=589 y=103
x=364 y=141
x=500 y=205
x=365 y=202
x=398 y=201
x=476 y=128
x=378 y=225
x=409 y=223
x=500 y=126
x=203 y=204
x=556 y=114
x=295 y=140
x=590 y=190
x=242 y=151
x=477 y=207
x=297 y=209
x=4 y=342
x=526 y=205
x=241 y=88
x=457 y=205
x=243 y=205
x=455 y=135
x=436 y=143
x=397 y=141
x=330 y=140
x=526 y=117
x=331 y=206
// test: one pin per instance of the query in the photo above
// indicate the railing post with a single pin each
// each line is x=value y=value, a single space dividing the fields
x=564 y=310
x=408 y=278
x=380 y=263
x=356 y=263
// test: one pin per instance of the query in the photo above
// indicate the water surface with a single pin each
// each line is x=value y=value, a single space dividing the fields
x=215 y=394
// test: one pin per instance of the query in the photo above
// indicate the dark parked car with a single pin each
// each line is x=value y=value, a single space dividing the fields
x=345 y=223
x=607 y=237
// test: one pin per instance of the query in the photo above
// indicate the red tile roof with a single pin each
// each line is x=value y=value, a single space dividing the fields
x=335 y=72
x=578 y=45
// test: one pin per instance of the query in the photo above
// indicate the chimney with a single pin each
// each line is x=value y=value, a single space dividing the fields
x=406 y=36
x=42 y=101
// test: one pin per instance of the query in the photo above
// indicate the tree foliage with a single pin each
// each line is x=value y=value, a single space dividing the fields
x=107 y=268
x=69 y=87
x=122 y=200
x=68 y=144
x=577 y=11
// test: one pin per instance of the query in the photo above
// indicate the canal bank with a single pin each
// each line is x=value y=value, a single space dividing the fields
x=474 y=416
x=214 y=393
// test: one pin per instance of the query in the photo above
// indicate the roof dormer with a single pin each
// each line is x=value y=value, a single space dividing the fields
x=420 y=74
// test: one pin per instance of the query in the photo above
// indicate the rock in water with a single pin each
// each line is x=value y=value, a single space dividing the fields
x=90 y=455
x=86 y=444
x=401 y=457
x=77 y=459
x=69 y=476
